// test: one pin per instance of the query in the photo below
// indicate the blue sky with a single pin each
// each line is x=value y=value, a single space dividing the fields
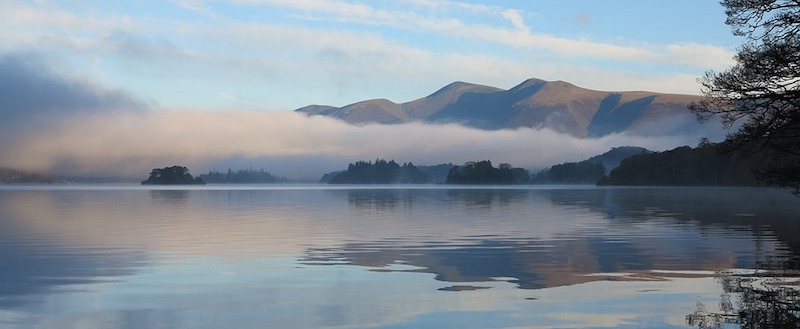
x=121 y=87
x=284 y=54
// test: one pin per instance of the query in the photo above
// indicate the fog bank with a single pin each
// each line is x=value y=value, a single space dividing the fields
x=284 y=143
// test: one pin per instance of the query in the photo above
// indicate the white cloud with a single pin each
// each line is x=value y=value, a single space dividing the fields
x=345 y=64
x=515 y=17
x=519 y=35
x=134 y=143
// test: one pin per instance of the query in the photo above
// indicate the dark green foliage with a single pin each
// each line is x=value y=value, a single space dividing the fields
x=761 y=92
x=483 y=173
x=381 y=172
x=175 y=175
x=706 y=165
x=241 y=176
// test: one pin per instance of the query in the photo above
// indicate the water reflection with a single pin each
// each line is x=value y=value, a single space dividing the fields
x=754 y=299
x=372 y=257
x=170 y=196
x=546 y=238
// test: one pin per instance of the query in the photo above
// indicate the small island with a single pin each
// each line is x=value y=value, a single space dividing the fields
x=175 y=175
x=483 y=173
x=380 y=172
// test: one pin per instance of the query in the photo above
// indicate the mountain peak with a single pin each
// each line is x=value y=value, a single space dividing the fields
x=534 y=103
x=529 y=83
x=458 y=87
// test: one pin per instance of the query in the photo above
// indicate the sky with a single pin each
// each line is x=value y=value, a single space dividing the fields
x=113 y=70
x=282 y=55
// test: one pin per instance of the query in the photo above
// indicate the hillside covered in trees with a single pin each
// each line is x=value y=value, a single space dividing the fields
x=705 y=165
x=381 y=172
x=483 y=173
x=588 y=171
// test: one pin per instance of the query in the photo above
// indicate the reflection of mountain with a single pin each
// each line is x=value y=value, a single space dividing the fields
x=638 y=230
x=533 y=237
x=533 y=103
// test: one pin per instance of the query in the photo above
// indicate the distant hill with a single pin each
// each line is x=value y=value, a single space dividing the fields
x=588 y=171
x=535 y=103
x=705 y=165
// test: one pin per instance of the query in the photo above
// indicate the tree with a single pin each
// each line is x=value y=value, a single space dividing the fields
x=761 y=92
x=171 y=176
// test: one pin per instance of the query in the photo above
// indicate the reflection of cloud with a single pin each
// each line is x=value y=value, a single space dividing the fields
x=223 y=254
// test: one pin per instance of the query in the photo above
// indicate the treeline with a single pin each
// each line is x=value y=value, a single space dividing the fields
x=571 y=173
x=242 y=176
x=707 y=164
x=588 y=171
x=483 y=173
x=13 y=176
x=390 y=172
x=175 y=175
x=381 y=172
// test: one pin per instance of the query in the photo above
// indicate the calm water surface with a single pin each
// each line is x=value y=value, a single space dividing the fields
x=410 y=257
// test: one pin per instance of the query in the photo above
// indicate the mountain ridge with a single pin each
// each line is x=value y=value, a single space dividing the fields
x=533 y=103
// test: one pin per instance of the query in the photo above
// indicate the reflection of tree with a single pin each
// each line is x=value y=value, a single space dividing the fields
x=765 y=300
x=170 y=196
x=378 y=199
x=486 y=198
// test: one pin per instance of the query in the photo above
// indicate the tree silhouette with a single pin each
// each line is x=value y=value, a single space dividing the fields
x=762 y=91
x=483 y=173
x=175 y=175
x=769 y=299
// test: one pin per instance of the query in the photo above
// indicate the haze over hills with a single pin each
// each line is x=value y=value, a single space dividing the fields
x=534 y=103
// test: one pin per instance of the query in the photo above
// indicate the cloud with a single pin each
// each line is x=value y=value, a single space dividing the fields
x=515 y=17
x=73 y=125
x=518 y=35
x=53 y=122
x=304 y=147
x=183 y=62
x=29 y=89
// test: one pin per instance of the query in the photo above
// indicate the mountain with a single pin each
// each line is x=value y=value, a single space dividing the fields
x=534 y=103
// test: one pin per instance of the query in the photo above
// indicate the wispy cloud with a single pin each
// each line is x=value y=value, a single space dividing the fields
x=73 y=125
x=516 y=33
x=286 y=58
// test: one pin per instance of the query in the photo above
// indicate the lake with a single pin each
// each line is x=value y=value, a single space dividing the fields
x=318 y=256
